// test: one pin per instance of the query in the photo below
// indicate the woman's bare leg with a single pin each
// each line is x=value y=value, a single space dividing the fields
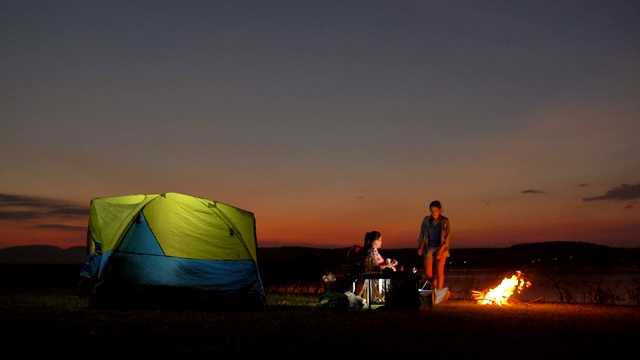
x=428 y=269
x=440 y=272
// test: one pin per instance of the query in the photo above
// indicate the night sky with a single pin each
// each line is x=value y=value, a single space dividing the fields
x=326 y=119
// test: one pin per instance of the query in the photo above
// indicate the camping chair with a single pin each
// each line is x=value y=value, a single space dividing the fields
x=345 y=278
x=354 y=265
x=373 y=290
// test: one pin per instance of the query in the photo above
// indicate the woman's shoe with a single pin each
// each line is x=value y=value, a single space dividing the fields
x=442 y=295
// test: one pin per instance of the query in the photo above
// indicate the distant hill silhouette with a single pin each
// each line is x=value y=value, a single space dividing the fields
x=50 y=265
x=43 y=254
x=544 y=254
x=304 y=259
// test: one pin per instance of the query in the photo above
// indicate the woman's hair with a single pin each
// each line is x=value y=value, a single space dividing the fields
x=435 y=203
x=370 y=237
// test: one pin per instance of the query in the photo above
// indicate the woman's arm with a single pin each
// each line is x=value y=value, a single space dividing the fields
x=389 y=264
x=423 y=235
x=445 y=237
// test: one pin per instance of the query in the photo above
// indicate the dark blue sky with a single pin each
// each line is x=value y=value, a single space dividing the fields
x=327 y=119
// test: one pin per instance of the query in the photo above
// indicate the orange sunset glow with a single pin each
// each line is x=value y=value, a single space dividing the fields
x=326 y=121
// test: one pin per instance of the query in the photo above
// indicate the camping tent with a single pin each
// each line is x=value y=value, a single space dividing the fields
x=171 y=248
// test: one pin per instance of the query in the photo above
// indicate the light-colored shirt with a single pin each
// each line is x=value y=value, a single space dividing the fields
x=375 y=254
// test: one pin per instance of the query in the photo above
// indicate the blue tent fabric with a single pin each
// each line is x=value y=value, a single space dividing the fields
x=139 y=239
x=225 y=277
x=173 y=248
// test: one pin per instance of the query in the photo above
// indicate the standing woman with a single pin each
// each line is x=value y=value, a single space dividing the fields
x=433 y=243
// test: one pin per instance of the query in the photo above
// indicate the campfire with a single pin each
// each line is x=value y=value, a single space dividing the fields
x=500 y=294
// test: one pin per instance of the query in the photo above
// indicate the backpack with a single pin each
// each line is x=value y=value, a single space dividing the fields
x=403 y=293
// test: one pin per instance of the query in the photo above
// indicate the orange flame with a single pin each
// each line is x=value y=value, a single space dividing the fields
x=500 y=294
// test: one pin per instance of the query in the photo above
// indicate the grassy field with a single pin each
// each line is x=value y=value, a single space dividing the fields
x=56 y=321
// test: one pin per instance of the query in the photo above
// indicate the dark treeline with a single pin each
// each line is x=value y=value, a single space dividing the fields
x=301 y=264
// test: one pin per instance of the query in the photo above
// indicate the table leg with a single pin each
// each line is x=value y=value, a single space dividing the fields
x=369 y=292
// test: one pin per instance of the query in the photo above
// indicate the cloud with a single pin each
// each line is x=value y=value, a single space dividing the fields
x=620 y=193
x=19 y=215
x=532 y=191
x=26 y=201
x=62 y=227
x=70 y=212
x=19 y=207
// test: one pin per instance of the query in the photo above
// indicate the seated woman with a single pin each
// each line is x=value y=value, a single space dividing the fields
x=375 y=262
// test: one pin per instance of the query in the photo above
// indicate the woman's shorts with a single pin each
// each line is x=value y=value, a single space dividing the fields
x=432 y=250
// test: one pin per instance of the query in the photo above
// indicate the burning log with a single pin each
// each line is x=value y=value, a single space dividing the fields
x=527 y=302
x=500 y=294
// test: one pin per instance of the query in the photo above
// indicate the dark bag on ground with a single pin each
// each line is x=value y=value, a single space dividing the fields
x=403 y=293
x=334 y=300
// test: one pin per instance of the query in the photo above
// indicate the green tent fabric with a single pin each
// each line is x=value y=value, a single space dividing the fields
x=171 y=248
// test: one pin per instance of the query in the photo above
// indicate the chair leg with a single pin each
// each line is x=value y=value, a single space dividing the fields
x=363 y=291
